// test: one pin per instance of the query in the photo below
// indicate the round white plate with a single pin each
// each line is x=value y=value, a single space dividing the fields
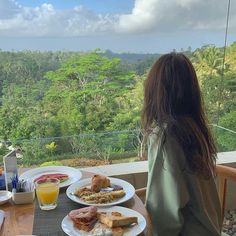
x=74 y=174
x=5 y=196
x=69 y=229
x=127 y=187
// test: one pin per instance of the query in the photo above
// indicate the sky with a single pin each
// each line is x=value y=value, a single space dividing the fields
x=141 y=26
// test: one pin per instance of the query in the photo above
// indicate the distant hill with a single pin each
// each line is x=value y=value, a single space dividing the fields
x=139 y=62
x=131 y=58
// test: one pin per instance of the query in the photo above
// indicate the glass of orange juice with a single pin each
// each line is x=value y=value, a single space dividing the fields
x=47 y=191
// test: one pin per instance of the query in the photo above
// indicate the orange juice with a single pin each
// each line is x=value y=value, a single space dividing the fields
x=47 y=193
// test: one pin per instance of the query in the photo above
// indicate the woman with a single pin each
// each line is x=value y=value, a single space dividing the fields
x=182 y=197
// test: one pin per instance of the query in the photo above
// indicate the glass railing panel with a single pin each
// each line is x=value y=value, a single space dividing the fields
x=95 y=149
x=225 y=138
x=78 y=150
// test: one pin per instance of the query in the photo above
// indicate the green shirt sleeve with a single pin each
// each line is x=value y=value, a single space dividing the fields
x=167 y=193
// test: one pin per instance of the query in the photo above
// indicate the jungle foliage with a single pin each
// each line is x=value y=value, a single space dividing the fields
x=82 y=104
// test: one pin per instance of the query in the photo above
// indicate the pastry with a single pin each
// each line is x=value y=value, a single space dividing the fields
x=99 y=182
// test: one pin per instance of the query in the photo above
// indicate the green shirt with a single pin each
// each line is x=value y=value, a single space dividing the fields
x=178 y=201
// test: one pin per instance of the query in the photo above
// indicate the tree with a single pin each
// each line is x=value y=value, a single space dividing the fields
x=89 y=86
x=227 y=139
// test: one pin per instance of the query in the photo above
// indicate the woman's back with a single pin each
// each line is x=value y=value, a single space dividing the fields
x=182 y=198
x=179 y=201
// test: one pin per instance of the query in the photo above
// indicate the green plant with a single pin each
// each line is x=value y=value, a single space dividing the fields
x=33 y=152
x=51 y=147
x=52 y=163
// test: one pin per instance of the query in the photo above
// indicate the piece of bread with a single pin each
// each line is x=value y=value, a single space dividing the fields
x=99 y=182
x=115 y=219
x=117 y=231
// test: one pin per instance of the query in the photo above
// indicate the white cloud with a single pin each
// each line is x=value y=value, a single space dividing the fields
x=8 y=8
x=146 y=16
x=45 y=20
x=86 y=22
x=169 y=15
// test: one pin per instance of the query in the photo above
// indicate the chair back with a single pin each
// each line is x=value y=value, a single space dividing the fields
x=224 y=173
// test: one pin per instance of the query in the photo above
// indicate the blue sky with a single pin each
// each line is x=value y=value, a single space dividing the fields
x=100 y=6
x=153 y=26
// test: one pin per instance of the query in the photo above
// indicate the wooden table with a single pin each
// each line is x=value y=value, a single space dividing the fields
x=19 y=218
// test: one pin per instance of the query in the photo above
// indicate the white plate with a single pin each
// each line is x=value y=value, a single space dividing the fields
x=5 y=196
x=74 y=174
x=127 y=187
x=69 y=229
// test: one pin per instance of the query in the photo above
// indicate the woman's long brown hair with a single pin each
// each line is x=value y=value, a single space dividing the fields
x=172 y=99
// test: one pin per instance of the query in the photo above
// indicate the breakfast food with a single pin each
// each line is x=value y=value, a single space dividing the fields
x=81 y=192
x=103 y=230
x=100 y=192
x=118 y=231
x=61 y=177
x=115 y=219
x=99 y=182
x=93 y=222
x=103 y=197
x=84 y=218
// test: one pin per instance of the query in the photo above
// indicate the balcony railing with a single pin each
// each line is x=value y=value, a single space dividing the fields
x=85 y=150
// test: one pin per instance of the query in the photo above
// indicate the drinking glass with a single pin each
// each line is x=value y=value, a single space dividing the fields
x=47 y=191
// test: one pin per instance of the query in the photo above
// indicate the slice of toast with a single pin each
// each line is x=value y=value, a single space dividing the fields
x=118 y=231
x=115 y=219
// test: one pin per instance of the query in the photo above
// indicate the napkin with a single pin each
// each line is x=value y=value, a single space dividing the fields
x=2 y=216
